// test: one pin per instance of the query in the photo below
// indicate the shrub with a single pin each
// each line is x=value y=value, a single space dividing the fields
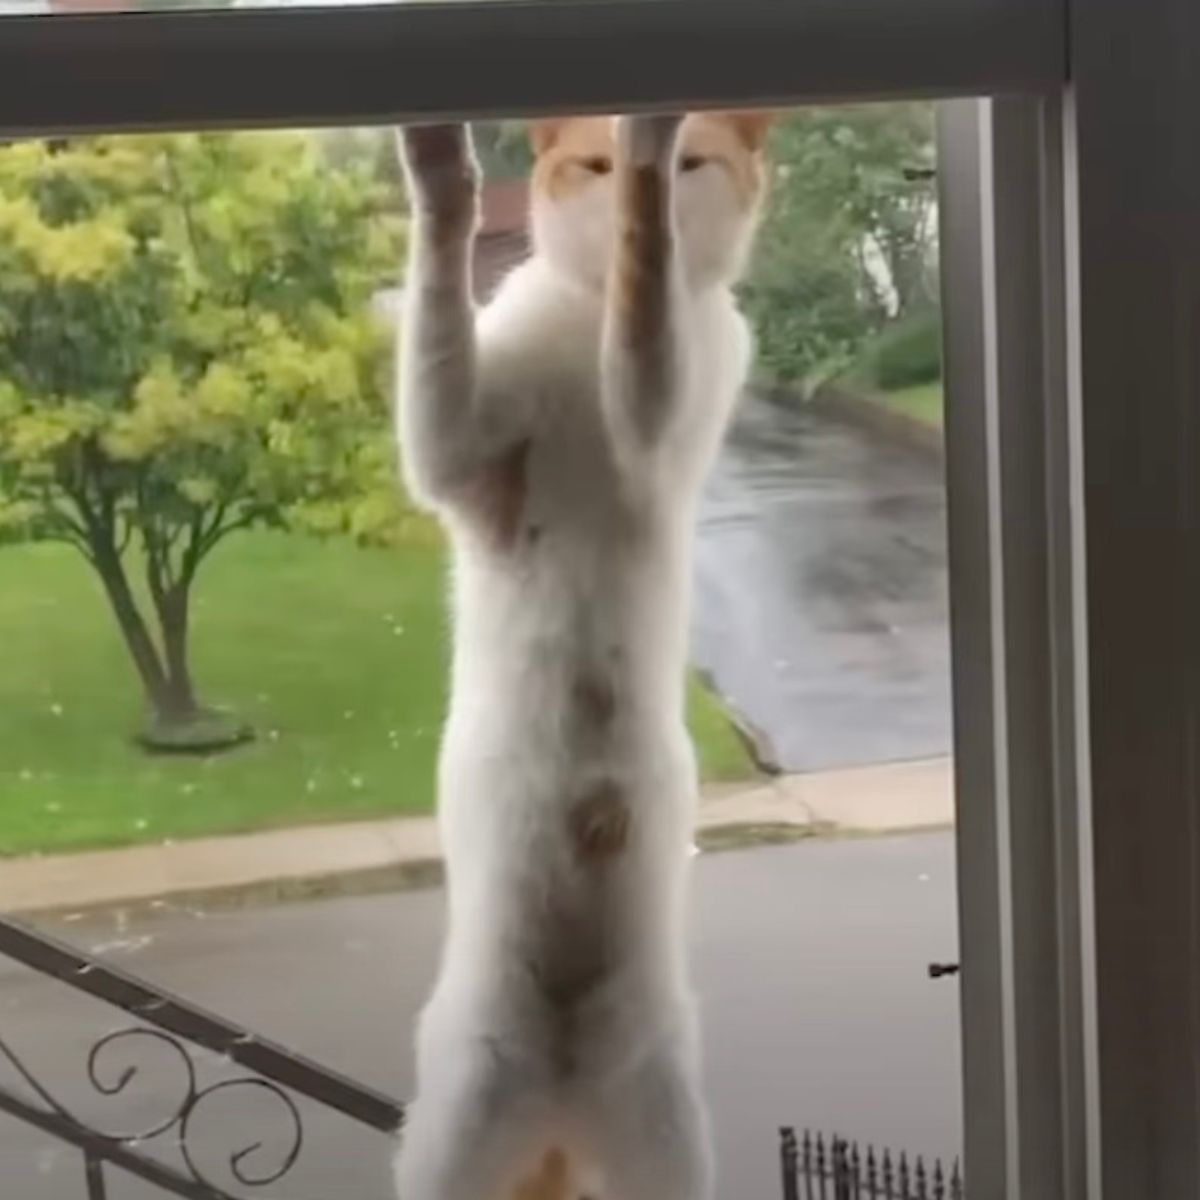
x=907 y=353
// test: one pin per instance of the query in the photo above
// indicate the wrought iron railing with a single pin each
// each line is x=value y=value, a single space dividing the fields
x=169 y=1025
x=813 y=1167
x=818 y=1168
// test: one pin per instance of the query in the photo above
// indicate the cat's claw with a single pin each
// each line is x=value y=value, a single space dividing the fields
x=443 y=174
x=649 y=139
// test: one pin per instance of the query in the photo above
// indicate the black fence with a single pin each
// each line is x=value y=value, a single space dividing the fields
x=170 y=1026
x=817 y=1168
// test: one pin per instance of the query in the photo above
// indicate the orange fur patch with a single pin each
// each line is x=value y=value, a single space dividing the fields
x=545 y=132
x=751 y=125
x=563 y=146
x=735 y=141
x=496 y=495
x=645 y=240
x=552 y=1181
x=595 y=702
x=599 y=823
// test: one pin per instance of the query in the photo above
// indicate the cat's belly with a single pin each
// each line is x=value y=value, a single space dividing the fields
x=567 y=800
x=504 y=813
x=571 y=870
x=562 y=962
x=584 y=784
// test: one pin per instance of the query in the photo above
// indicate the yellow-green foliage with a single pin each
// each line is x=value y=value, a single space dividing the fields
x=187 y=345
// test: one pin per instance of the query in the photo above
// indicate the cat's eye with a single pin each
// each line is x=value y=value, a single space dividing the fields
x=692 y=162
x=597 y=164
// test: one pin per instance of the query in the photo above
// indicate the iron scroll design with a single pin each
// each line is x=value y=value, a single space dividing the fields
x=116 y=1060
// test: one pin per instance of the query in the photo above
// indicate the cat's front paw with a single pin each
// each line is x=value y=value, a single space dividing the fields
x=442 y=172
x=649 y=139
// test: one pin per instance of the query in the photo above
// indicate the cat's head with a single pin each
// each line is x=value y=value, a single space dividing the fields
x=721 y=178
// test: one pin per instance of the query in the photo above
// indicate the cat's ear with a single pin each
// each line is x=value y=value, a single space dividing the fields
x=751 y=125
x=544 y=133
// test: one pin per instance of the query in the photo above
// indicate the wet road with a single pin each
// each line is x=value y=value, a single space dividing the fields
x=809 y=960
x=821 y=603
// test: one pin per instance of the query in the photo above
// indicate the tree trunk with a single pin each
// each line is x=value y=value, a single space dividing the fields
x=175 y=722
x=133 y=628
x=178 y=694
x=166 y=680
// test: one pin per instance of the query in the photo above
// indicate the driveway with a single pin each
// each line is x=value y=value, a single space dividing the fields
x=821 y=606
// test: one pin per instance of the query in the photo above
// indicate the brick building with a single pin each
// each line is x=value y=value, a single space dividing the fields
x=503 y=239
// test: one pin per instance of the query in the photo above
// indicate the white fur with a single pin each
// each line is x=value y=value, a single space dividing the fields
x=603 y=587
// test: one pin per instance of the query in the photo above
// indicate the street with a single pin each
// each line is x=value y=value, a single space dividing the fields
x=809 y=960
x=820 y=606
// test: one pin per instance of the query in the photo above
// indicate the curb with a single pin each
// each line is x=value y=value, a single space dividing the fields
x=418 y=875
x=403 y=854
x=868 y=410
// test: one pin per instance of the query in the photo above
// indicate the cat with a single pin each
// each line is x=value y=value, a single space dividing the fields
x=562 y=434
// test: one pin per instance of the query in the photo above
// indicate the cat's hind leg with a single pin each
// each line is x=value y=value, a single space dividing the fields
x=649 y=1130
x=475 y=1130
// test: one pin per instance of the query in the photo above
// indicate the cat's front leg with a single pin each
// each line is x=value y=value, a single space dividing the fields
x=443 y=177
x=643 y=367
x=436 y=418
x=650 y=140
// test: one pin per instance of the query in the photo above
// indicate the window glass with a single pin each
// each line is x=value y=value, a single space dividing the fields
x=225 y=631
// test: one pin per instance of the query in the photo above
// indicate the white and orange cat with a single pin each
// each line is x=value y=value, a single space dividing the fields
x=562 y=433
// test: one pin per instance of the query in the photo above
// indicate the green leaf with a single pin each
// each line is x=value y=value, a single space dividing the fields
x=185 y=331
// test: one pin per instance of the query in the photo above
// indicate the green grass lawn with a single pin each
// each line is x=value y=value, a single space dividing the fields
x=337 y=655
x=924 y=402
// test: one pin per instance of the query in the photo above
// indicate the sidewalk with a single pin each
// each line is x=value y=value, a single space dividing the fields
x=886 y=799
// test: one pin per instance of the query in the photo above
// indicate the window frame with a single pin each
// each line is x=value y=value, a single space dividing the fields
x=1074 y=502
x=519 y=57
x=1016 y=551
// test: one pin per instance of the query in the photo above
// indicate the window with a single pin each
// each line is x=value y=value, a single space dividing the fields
x=227 y=619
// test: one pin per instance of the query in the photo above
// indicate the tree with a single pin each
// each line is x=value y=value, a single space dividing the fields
x=849 y=237
x=187 y=350
x=370 y=149
x=503 y=148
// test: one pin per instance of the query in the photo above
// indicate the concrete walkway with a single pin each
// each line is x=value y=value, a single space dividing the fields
x=883 y=799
